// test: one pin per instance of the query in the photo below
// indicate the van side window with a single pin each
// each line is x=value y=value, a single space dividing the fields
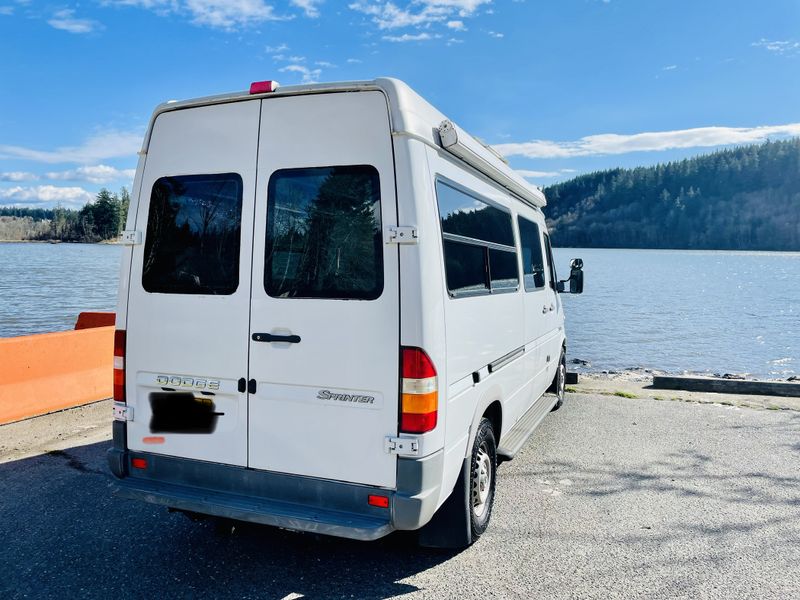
x=193 y=235
x=532 y=260
x=324 y=233
x=479 y=252
x=551 y=265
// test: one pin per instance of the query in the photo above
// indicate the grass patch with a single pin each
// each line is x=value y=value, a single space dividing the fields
x=571 y=390
x=625 y=395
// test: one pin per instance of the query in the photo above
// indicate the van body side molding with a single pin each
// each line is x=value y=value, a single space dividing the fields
x=505 y=359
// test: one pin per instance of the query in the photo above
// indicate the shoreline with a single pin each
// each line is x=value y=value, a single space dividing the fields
x=639 y=386
x=640 y=374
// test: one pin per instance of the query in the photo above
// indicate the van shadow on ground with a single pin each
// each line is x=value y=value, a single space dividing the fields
x=65 y=534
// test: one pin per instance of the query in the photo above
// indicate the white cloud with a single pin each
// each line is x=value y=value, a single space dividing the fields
x=419 y=13
x=221 y=14
x=46 y=193
x=66 y=21
x=408 y=37
x=310 y=7
x=670 y=68
x=457 y=25
x=538 y=174
x=612 y=143
x=325 y=64
x=101 y=146
x=778 y=46
x=18 y=176
x=277 y=49
x=354 y=61
x=495 y=34
x=308 y=75
x=93 y=174
x=6 y=10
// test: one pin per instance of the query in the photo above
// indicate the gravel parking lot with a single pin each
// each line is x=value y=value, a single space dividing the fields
x=611 y=498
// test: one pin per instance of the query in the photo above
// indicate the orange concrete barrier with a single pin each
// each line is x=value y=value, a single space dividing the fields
x=87 y=320
x=52 y=371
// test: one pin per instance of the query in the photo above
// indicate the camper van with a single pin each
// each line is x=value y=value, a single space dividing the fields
x=338 y=312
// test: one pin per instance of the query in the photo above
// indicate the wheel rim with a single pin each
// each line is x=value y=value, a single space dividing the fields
x=482 y=481
x=562 y=378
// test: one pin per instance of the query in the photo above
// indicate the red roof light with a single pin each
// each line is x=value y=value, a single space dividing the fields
x=263 y=87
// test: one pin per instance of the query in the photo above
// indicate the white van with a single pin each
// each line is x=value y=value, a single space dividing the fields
x=337 y=311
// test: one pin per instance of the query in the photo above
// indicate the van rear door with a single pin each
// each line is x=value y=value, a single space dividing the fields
x=189 y=290
x=324 y=323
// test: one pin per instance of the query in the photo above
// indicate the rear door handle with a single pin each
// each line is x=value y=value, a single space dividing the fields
x=242 y=385
x=269 y=337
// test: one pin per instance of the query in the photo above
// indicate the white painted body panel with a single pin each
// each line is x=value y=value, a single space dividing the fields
x=348 y=346
x=197 y=336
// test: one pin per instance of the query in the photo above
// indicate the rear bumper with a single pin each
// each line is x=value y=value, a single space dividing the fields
x=289 y=501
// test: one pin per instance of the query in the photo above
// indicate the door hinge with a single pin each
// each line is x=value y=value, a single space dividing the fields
x=401 y=446
x=130 y=238
x=402 y=235
x=123 y=412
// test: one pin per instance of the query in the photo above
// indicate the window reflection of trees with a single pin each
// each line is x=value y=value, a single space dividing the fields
x=193 y=235
x=324 y=233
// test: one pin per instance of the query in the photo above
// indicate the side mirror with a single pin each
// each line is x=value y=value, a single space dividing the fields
x=575 y=278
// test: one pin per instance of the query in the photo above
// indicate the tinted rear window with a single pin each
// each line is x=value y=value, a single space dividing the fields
x=324 y=233
x=193 y=235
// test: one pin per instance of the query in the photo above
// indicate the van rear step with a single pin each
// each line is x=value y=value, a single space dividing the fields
x=291 y=502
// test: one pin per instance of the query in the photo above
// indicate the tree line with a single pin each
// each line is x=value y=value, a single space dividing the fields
x=100 y=220
x=746 y=198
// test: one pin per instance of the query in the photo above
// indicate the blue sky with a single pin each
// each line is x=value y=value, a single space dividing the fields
x=560 y=87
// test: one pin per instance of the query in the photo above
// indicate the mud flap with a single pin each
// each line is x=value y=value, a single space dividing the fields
x=450 y=527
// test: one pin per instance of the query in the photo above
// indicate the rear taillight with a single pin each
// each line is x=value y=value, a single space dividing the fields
x=420 y=399
x=119 y=365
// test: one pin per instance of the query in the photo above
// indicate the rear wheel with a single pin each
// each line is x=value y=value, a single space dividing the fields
x=482 y=478
x=465 y=514
x=558 y=386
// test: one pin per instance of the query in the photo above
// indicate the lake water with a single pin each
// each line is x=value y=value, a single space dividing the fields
x=673 y=310
x=679 y=310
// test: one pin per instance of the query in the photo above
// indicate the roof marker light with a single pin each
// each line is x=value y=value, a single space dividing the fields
x=263 y=87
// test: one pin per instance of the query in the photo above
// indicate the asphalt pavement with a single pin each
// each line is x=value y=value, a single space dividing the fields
x=611 y=498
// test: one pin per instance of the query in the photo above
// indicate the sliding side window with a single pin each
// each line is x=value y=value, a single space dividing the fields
x=479 y=252
x=193 y=235
x=532 y=259
x=324 y=233
x=550 y=264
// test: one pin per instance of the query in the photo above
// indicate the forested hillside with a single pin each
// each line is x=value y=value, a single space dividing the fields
x=747 y=198
x=97 y=221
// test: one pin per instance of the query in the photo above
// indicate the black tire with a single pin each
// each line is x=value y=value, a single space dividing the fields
x=559 y=382
x=483 y=474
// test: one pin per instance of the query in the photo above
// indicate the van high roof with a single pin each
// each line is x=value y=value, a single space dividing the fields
x=410 y=115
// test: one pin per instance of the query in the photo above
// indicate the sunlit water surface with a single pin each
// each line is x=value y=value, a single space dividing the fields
x=674 y=310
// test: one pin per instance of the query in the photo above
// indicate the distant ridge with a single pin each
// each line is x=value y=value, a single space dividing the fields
x=746 y=198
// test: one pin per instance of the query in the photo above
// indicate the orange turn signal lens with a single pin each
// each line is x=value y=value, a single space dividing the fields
x=420 y=403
